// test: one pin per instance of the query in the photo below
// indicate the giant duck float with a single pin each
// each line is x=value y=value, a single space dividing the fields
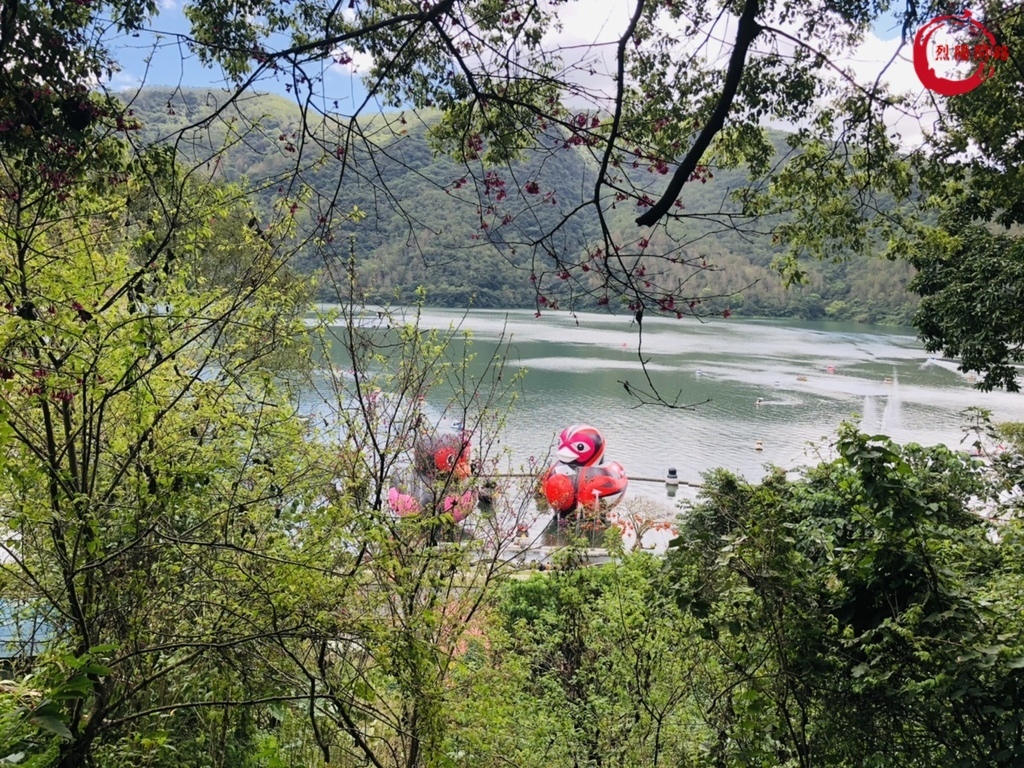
x=581 y=479
x=437 y=479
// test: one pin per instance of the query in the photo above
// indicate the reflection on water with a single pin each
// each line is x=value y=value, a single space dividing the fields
x=576 y=373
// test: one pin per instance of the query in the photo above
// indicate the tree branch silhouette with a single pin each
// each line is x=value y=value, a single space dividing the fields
x=748 y=30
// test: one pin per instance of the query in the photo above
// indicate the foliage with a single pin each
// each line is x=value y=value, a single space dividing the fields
x=862 y=615
x=1013 y=432
x=380 y=669
x=588 y=666
x=970 y=278
x=211 y=570
x=151 y=457
x=972 y=289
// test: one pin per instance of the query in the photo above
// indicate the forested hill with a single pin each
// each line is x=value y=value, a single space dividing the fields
x=429 y=231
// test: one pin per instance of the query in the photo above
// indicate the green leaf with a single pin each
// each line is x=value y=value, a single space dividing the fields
x=76 y=688
x=96 y=669
x=51 y=724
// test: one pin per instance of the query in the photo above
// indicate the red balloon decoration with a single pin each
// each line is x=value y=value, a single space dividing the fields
x=442 y=456
x=579 y=479
x=435 y=480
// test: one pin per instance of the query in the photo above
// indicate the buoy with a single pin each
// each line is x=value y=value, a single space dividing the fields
x=758 y=446
x=672 y=478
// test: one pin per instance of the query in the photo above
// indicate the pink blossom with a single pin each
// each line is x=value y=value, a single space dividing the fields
x=402 y=504
x=460 y=506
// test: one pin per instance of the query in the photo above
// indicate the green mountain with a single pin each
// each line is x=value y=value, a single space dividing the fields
x=433 y=222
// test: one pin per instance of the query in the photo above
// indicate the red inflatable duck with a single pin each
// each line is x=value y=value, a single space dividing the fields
x=581 y=479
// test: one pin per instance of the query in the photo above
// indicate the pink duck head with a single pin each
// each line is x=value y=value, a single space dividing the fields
x=580 y=445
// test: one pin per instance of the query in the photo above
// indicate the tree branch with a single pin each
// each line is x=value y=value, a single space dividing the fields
x=204 y=704
x=748 y=30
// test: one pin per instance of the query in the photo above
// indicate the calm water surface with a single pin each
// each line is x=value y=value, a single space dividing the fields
x=575 y=374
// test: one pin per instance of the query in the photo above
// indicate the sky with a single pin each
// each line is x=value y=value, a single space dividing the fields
x=158 y=59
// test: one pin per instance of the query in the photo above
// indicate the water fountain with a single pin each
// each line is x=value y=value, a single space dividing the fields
x=869 y=415
x=891 y=416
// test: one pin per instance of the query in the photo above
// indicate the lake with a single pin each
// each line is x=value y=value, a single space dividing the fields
x=576 y=366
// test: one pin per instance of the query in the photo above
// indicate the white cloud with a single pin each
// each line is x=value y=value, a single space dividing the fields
x=123 y=81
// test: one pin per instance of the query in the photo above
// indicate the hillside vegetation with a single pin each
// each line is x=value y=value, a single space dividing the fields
x=426 y=225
